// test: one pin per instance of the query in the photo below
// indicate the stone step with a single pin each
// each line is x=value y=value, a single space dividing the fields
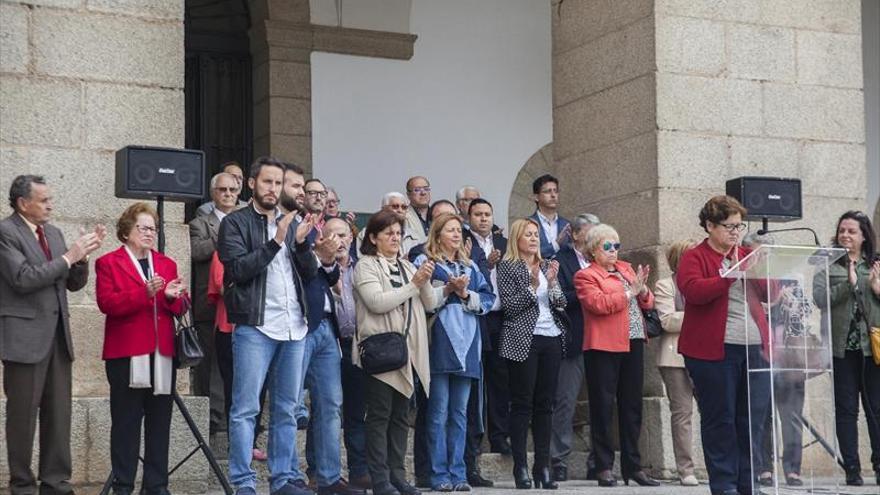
x=493 y=466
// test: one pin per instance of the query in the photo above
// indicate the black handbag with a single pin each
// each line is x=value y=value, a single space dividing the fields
x=188 y=350
x=386 y=351
x=653 y=327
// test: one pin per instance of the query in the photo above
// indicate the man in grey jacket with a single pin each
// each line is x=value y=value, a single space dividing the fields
x=203 y=242
x=36 y=271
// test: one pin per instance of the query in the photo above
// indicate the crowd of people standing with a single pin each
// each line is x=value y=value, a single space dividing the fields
x=488 y=335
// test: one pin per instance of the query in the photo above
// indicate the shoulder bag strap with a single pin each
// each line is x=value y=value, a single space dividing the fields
x=409 y=311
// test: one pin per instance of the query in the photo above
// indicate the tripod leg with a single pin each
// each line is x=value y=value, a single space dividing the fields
x=212 y=461
x=107 y=484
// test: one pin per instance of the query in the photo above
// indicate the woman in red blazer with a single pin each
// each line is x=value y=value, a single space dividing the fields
x=139 y=291
x=722 y=336
x=612 y=296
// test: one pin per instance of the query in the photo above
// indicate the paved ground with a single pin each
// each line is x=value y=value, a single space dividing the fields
x=671 y=488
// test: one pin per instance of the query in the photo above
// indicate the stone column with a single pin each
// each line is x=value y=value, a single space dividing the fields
x=78 y=80
x=658 y=102
x=281 y=44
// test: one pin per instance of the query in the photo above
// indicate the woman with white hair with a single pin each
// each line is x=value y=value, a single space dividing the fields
x=612 y=297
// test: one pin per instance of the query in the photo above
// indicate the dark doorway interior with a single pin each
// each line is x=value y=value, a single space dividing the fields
x=218 y=90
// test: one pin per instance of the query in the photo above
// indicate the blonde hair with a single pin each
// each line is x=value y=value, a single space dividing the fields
x=517 y=231
x=674 y=252
x=598 y=234
x=433 y=250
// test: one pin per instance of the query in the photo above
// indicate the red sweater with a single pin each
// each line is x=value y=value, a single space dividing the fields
x=705 y=309
x=130 y=328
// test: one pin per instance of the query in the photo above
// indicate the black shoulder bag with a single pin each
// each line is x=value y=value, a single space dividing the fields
x=386 y=351
x=188 y=351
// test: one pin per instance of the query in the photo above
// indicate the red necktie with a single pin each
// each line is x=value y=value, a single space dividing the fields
x=41 y=236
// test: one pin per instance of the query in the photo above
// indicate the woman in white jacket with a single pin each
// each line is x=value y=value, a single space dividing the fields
x=670 y=306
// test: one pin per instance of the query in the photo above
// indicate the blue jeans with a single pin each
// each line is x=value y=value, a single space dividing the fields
x=257 y=357
x=446 y=425
x=729 y=405
x=323 y=378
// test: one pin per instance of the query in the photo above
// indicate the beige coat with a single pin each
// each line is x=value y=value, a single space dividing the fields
x=380 y=308
x=664 y=302
x=413 y=232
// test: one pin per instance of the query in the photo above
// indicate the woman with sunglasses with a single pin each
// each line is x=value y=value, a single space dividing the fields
x=612 y=297
x=722 y=335
x=855 y=299
x=533 y=343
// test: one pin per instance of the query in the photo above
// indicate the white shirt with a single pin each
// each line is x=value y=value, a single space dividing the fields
x=488 y=246
x=219 y=214
x=282 y=318
x=582 y=260
x=545 y=325
x=551 y=230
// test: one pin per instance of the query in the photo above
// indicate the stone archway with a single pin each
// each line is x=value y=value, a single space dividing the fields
x=520 y=204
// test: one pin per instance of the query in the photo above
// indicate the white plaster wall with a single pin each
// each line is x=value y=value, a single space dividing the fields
x=871 y=57
x=471 y=107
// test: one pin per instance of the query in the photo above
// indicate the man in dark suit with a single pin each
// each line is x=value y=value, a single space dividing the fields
x=571 y=259
x=555 y=231
x=36 y=271
x=493 y=245
x=203 y=242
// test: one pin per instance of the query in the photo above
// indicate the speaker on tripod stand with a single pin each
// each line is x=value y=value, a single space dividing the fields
x=144 y=172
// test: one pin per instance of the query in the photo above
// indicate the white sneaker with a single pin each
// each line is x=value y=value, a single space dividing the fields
x=690 y=480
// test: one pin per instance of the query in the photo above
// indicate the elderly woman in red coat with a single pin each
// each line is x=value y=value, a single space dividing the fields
x=612 y=297
x=140 y=292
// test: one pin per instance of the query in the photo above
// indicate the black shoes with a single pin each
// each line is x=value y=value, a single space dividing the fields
x=476 y=480
x=605 y=478
x=405 y=488
x=341 y=487
x=542 y=479
x=384 y=488
x=641 y=478
x=423 y=481
x=854 y=476
x=521 y=477
x=560 y=473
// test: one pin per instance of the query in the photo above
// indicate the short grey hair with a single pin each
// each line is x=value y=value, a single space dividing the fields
x=460 y=193
x=582 y=220
x=753 y=238
x=332 y=190
x=21 y=188
x=387 y=197
x=598 y=234
x=217 y=177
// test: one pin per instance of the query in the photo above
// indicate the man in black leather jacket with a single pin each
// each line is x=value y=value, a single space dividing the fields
x=266 y=262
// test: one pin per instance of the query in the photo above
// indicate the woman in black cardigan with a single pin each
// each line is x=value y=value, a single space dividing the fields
x=533 y=343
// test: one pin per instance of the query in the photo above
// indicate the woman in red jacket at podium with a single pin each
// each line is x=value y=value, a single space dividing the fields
x=139 y=291
x=722 y=336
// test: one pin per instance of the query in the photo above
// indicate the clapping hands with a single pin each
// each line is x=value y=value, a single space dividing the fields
x=640 y=286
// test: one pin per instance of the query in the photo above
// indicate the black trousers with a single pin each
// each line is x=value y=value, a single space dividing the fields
x=495 y=374
x=129 y=407
x=532 y=391
x=473 y=436
x=616 y=375
x=44 y=385
x=421 y=453
x=387 y=411
x=354 y=436
x=856 y=375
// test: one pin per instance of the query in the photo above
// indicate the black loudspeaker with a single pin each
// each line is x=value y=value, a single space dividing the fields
x=144 y=172
x=773 y=198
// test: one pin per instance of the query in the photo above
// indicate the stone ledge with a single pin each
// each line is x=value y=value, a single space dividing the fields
x=293 y=37
x=350 y=41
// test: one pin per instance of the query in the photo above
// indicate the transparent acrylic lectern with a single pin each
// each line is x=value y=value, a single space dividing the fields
x=791 y=381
